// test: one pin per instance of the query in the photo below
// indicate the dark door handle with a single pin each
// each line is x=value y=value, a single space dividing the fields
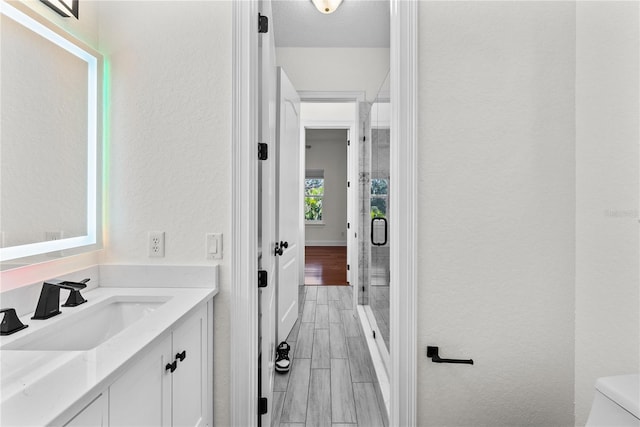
x=432 y=352
x=181 y=356
x=378 y=226
x=171 y=366
x=278 y=250
x=284 y=244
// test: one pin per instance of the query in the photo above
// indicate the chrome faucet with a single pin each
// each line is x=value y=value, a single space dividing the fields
x=49 y=302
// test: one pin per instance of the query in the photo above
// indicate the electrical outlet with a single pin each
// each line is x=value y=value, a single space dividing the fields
x=53 y=235
x=156 y=244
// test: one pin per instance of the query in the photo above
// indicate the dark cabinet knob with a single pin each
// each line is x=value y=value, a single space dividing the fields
x=181 y=356
x=171 y=366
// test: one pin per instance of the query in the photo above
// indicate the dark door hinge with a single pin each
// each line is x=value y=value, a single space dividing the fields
x=364 y=138
x=262 y=279
x=263 y=151
x=348 y=267
x=348 y=184
x=348 y=225
x=262 y=406
x=374 y=334
x=348 y=142
x=263 y=24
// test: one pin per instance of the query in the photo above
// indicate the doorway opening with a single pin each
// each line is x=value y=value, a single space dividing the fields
x=325 y=207
x=244 y=313
x=329 y=134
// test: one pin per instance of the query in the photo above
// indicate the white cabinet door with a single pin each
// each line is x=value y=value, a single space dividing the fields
x=290 y=213
x=142 y=395
x=94 y=415
x=189 y=379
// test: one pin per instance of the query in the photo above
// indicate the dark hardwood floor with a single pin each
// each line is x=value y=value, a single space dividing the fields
x=325 y=265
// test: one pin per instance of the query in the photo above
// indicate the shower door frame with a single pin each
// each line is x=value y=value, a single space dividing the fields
x=367 y=316
x=243 y=349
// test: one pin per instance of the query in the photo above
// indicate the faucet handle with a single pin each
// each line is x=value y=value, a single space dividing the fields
x=75 y=298
x=67 y=284
x=10 y=323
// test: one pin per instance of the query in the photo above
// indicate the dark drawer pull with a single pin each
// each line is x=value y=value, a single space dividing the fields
x=171 y=366
x=432 y=352
x=182 y=355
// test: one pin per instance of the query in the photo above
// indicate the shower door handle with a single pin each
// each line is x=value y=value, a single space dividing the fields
x=378 y=231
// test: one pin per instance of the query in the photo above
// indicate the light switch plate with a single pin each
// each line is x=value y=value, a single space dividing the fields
x=214 y=245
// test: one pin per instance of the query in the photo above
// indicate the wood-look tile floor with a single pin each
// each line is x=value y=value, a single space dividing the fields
x=332 y=380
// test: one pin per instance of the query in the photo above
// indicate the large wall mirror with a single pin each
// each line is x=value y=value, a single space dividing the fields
x=49 y=140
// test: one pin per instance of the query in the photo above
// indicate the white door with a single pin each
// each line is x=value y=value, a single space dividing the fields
x=267 y=212
x=289 y=202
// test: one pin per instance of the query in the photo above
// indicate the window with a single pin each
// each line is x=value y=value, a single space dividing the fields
x=379 y=197
x=313 y=196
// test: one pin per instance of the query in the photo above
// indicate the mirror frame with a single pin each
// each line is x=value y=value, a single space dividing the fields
x=38 y=24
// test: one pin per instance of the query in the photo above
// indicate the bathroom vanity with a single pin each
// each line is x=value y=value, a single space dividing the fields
x=128 y=356
x=139 y=351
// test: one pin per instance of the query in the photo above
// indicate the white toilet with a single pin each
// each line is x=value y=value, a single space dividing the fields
x=616 y=402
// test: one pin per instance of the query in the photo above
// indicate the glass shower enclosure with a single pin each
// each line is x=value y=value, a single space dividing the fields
x=376 y=217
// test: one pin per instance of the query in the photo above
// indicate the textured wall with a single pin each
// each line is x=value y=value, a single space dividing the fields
x=335 y=69
x=607 y=131
x=328 y=151
x=169 y=145
x=496 y=212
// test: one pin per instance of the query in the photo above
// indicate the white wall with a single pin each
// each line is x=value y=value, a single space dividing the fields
x=607 y=125
x=328 y=151
x=496 y=212
x=169 y=146
x=335 y=69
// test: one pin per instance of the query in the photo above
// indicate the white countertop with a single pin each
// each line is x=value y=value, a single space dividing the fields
x=37 y=387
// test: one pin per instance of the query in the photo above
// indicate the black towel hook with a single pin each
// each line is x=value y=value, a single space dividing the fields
x=432 y=352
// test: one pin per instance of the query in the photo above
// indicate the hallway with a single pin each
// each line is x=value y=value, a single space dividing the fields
x=332 y=380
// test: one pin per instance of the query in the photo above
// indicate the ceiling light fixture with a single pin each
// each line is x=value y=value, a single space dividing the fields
x=326 y=6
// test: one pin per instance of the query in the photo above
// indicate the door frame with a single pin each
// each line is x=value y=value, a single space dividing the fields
x=244 y=260
x=337 y=97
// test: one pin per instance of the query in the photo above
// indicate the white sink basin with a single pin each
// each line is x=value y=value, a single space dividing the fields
x=89 y=327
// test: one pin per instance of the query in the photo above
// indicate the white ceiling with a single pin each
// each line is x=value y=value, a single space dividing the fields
x=356 y=23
